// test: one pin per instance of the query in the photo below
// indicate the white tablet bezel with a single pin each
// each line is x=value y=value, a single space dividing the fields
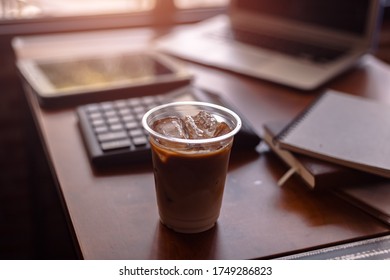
x=30 y=70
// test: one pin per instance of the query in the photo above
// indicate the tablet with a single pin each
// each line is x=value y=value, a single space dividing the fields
x=77 y=80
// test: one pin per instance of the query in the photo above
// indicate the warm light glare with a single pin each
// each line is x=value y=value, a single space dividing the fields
x=39 y=8
x=190 y=4
x=36 y=8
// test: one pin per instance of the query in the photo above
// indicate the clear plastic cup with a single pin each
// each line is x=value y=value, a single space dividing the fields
x=190 y=173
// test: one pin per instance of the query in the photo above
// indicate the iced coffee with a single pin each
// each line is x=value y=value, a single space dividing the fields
x=191 y=143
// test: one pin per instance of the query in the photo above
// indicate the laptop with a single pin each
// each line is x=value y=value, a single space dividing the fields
x=300 y=44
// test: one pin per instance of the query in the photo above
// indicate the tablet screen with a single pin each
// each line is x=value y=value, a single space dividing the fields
x=104 y=72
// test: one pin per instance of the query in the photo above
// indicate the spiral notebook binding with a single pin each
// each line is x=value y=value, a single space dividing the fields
x=302 y=115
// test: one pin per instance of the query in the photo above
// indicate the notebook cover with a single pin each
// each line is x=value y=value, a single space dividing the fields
x=373 y=198
x=344 y=129
x=377 y=248
x=315 y=173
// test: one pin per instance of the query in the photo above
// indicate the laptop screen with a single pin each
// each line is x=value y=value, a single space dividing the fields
x=343 y=15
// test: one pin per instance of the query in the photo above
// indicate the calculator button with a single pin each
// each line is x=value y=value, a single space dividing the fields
x=107 y=106
x=124 y=111
x=111 y=136
x=92 y=108
x=134 y=101
x=139 y=116
x=120 y=103
x=114 y=145
x=139 y=109
x=148 y=100
x=136 y=132
x=113 y=120
x=131 y=125
x=140 y=141
x=128 y=118
x=95 y=115
x=98 y=122
x=151 y=106
x=110 y=113
x=101 y=129
x=117 y=126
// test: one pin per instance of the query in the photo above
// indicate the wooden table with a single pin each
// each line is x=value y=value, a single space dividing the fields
x=113 y=213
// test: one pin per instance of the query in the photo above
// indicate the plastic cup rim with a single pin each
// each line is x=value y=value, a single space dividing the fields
x=192 y=141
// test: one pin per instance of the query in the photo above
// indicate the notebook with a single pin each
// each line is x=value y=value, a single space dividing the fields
x=368 y=192
x=315 y=173
x=343 y=129
x=301 y=44
x=371 y=197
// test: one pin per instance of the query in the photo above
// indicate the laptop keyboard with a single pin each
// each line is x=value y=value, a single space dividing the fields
x=311 y=52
